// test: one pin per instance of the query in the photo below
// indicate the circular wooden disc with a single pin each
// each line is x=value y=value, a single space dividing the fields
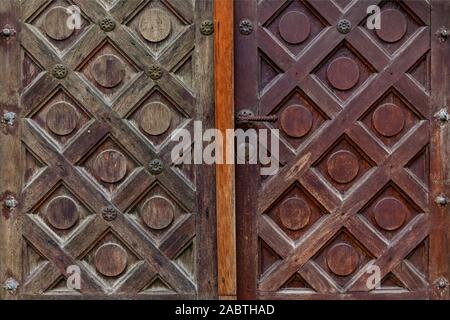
x=388 y=119
x=390 y=214
x=342 y=259
x=155 y=118
x=62 y=118
x=296 y=121
x=343 y=166
x=55 y=24
x=108 y=70
x=110 y=166
x=294 y=27
x=111 y=260
x=62 y=213
x=393 y=26
x=295 y=214
x=343 y=73
x=155 y=25
x=157 y=212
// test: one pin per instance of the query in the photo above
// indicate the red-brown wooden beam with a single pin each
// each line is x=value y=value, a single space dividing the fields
x=224 y=90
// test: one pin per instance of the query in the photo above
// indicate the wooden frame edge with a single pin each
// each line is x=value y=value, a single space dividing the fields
x=224 y=96
x=10 y=150
x=439 y=153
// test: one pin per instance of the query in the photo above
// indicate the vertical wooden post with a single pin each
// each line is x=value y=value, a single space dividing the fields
x=247 y=176
x=10 y=181
x=439 y=151
x=226 y=235
x=206 y=226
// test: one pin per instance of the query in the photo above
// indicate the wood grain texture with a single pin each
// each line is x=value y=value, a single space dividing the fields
x=155 y=118
x=79 y=165
x=206 y=200
x=224 y=97
x=10 y=150
x=440 y=152
x=157 y=213
x=246 y=91
x=62 y=213
x=362 y=167
x=155 y=25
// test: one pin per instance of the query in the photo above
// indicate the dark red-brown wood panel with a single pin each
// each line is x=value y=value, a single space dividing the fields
x=362 y=152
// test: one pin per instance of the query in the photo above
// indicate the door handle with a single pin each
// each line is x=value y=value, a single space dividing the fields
x=247 y=116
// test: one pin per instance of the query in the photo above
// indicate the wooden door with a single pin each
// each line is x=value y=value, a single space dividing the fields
x=87 y=179
x=362 y=153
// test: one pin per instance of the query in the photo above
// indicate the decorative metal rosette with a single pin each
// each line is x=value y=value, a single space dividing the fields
x=207 y=27
x=109 y=213
x=246 y=27
x=156 y=166
x=107 y=24
x=155 y=72
x=344 y=26
x=59 y=71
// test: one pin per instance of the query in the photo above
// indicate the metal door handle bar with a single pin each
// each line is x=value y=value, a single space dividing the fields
x=246 y=116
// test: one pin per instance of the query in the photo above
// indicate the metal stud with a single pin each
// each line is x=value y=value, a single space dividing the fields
x=156 y=166
x=107 y=24
x=109 y=213
x=155 y=72
x=207 y=28
x=246 y=27
x=443 y=34
x=442 y=200
x=443 y=115
x=11 y=285
x=9 y=118
x=442 y=283
x=7 y=31
x=344 y=26
x=59 y=71
x=11 y=202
